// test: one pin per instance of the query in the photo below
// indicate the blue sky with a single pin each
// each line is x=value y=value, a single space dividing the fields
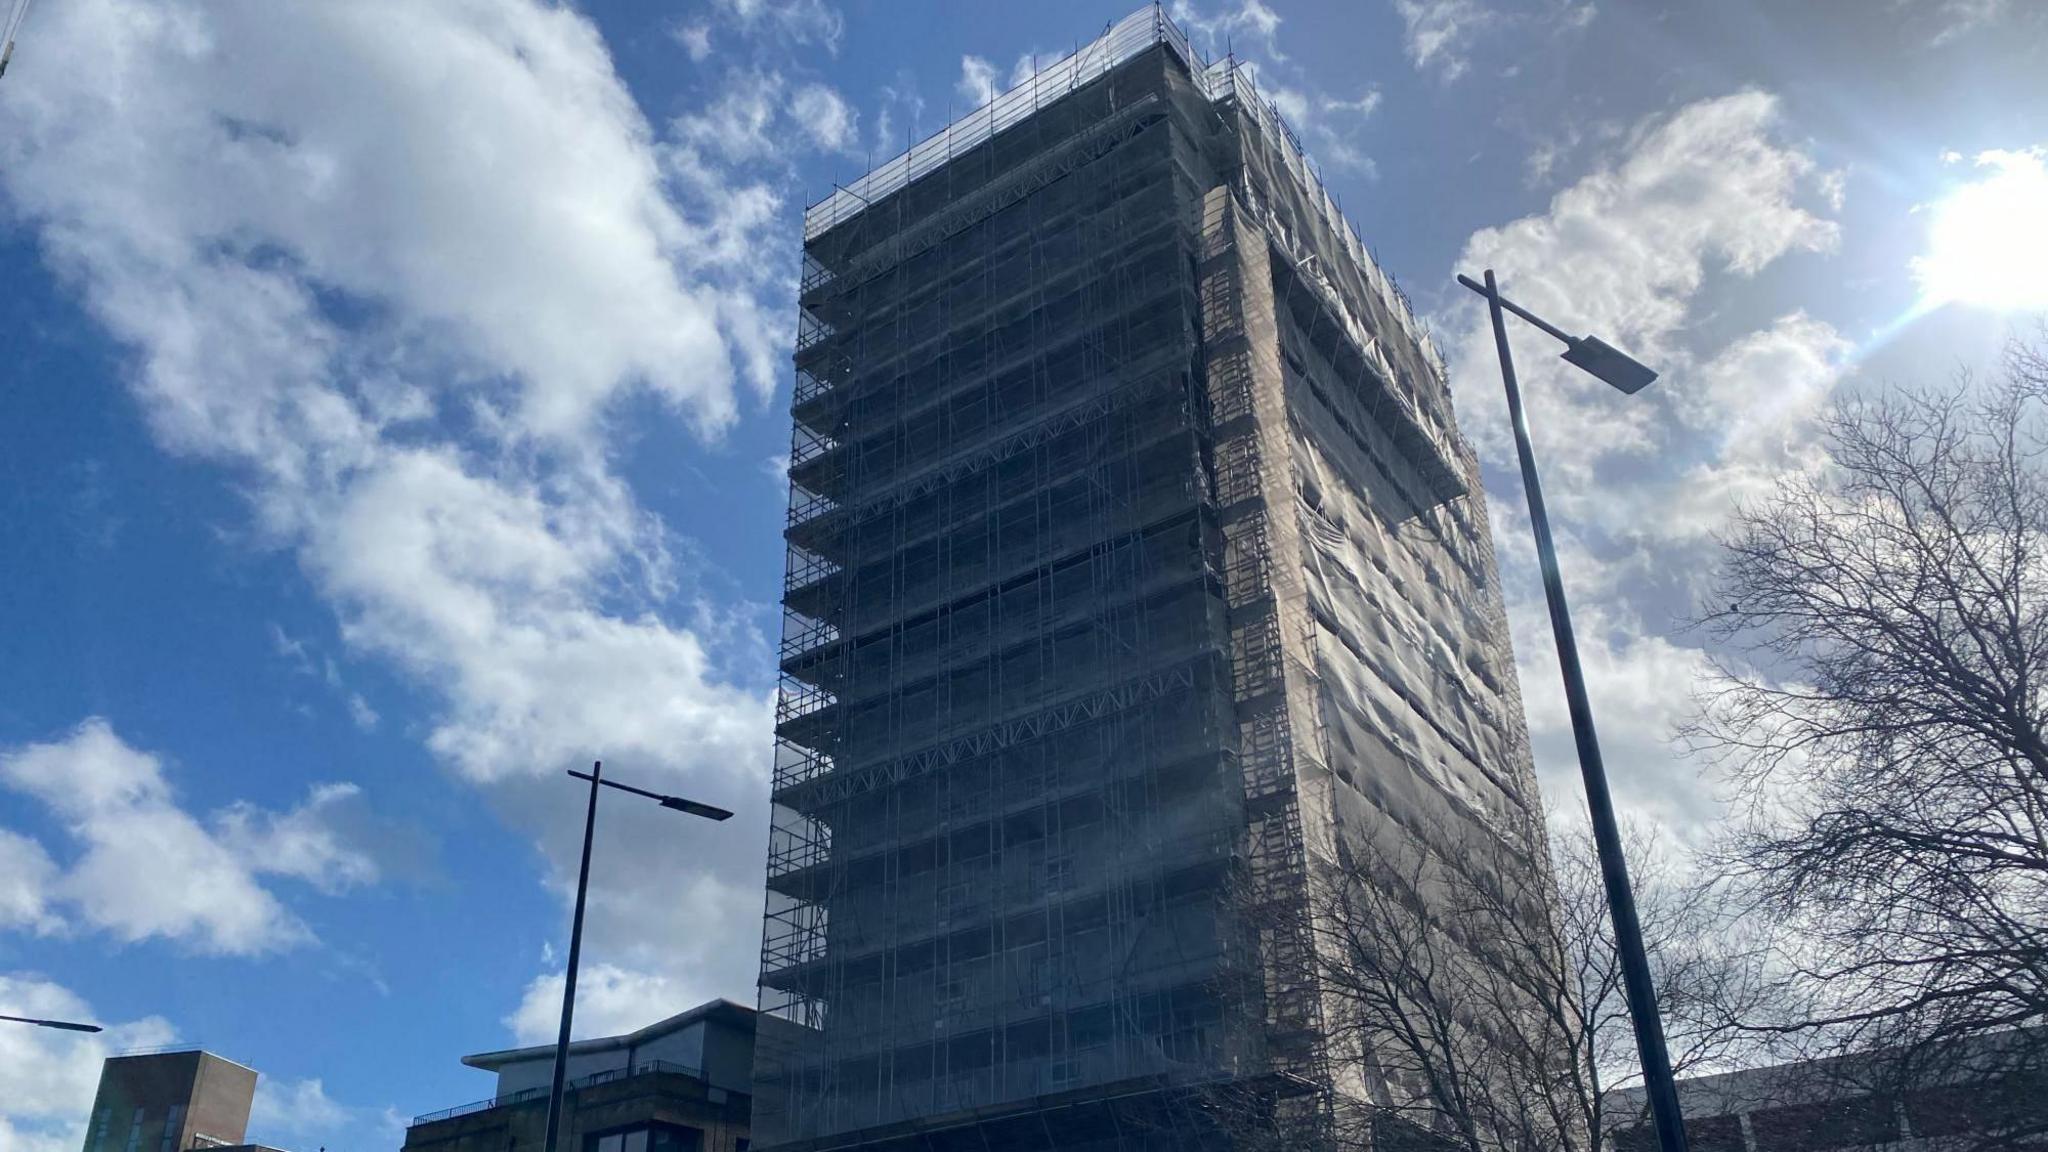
x=393 y=398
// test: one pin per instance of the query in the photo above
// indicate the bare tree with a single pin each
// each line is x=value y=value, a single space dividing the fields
x=1885 y=715
x=1445 y=981
x=1708 y=962
x=1476 y=1001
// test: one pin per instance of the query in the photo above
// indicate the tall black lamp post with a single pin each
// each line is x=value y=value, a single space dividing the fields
x=1605 y=362
x=596 y=778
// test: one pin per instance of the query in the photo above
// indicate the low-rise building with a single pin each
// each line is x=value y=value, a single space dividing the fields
x=170 y=1101
x=683 y=1084
x=1987 y=1088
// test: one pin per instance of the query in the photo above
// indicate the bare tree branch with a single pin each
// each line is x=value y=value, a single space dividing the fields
x=1884 y=715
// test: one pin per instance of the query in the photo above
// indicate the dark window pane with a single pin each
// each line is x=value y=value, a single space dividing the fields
x=2018 y=1103
x=1833 y=1124
x=1634 y=1138
x=1714 y=1133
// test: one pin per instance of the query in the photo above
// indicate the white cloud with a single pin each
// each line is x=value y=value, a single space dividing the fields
x=695 y=39
x=1641 y=688
x=1363 y=107
x=1623 y=252
x=609 y=1001
x=826 y=118
x=396 y=269
x=300 y=655
x=900 y=107
x=1330 y=125
x=360 y=713
x=1438 y=32
x=527 y=265
x=26 y=876
x=1249 y=24
x=1638 y=485
x=298 y=1109
x=148 y=869
x=1542 y=160
x=1754 y=408
x=486 y=589
x=300 y=1114
x=674 y=903
x=738 y=127
x=48 y=1077
x=977 y=84
x=1294 y=105
x=1960 y=17
x=1729 y=428
x=303 y=843
x=792 y=21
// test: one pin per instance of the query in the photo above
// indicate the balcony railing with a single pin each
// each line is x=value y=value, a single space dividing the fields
x=815 y=275
x=798 y=699
x=803 y=567
x=806 y=446
x=643 y=1068
x=801 y=633
x=809 y=329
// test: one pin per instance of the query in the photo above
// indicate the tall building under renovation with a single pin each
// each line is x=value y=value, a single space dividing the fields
x=1135 y=568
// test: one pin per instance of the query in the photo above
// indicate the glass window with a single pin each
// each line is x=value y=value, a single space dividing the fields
x=173 y=1121
x=1832 y=1124
x=135 y=1131
x=674 y=1138
x=636 y=1141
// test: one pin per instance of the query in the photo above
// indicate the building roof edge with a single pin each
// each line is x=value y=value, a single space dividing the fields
x=729 y=1009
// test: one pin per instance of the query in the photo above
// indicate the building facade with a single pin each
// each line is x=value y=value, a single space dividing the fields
x=678 y=1085
x=1134 y=564
x=1984 y=1092
x=170 y=1102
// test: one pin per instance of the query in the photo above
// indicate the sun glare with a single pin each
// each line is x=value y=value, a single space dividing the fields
x=1988 y=240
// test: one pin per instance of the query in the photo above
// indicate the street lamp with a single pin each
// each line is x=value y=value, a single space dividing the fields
x=1603 y=361
x=66 y=1025
x=676 y=803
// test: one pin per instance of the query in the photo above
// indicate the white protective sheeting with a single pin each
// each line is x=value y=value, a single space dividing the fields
x=1400 y=641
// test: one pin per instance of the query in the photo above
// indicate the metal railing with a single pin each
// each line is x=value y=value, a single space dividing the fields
x=1232 y=81
x=1225 y=81
x=1126 y=38
x=527 y=1094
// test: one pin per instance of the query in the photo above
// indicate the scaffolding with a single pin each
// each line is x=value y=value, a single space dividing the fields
x=1052 y=737
x=1228 y=81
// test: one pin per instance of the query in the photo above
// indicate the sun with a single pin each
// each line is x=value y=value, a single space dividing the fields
x=1988 y=240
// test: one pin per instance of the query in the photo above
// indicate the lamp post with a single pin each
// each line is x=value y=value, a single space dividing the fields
x=1603 y=361
x=676 y=803
x=66 y=1025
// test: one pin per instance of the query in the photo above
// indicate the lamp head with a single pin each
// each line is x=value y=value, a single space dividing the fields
x=695 y=809
x=1609 y=363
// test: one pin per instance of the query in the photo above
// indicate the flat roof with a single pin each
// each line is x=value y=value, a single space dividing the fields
x=177 y=1050
x=728 y=1011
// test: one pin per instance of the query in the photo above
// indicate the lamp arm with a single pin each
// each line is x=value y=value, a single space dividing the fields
x=1518 y=310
